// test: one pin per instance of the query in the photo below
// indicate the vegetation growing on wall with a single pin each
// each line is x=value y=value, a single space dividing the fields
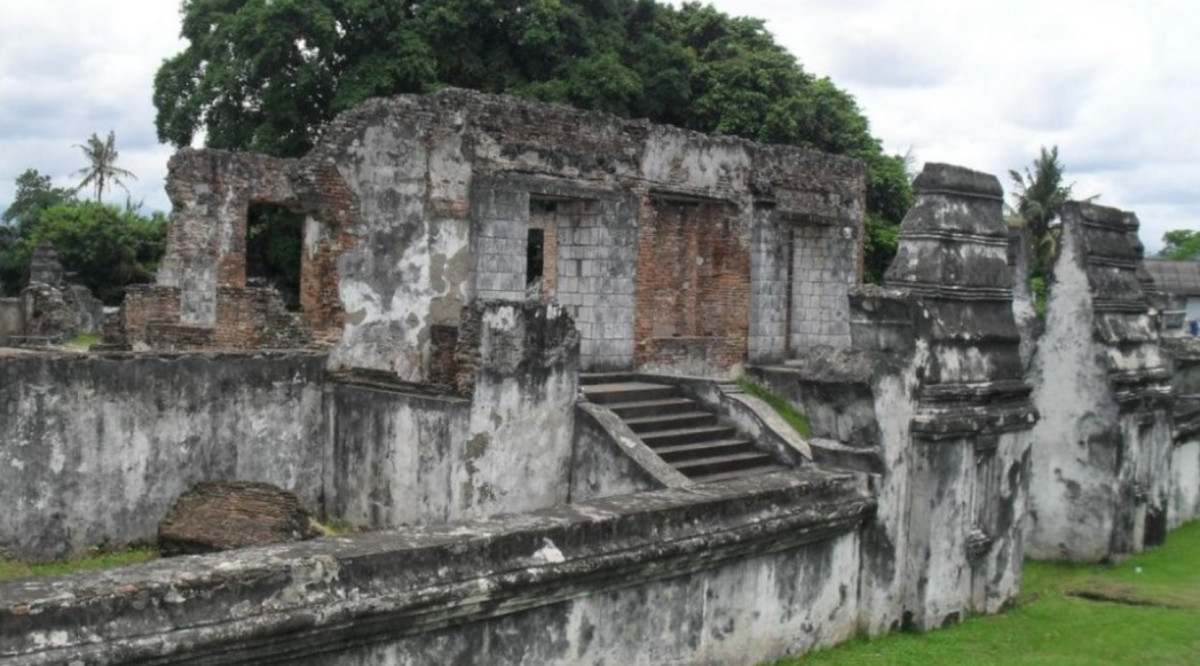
x=267 y=75
x=786 y=411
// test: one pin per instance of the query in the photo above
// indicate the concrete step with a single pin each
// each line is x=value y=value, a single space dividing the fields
x=662 y=438
x=633 y=410
x=605 y=394
x=693 y=419
x=737 y=474
x=682 y=432
x=721 y=464
x=592 y=378
x=706 y=449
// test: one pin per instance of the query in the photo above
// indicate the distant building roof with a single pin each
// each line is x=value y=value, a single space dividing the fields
x=1175 y=277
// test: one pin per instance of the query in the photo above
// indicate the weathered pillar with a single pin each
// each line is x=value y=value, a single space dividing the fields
x=1102 y=450
x=961 y=481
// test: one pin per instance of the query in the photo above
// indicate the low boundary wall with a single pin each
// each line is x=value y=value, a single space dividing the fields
x=741 y=572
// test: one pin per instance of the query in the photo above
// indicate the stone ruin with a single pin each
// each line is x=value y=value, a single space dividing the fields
x=50 y=310
x=513 y=357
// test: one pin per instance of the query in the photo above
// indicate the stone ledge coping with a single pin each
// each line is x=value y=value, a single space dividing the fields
x=202 y=354
x=280 y=602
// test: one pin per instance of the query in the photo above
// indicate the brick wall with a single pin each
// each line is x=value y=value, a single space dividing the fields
x=145 y=305
x=693 y=290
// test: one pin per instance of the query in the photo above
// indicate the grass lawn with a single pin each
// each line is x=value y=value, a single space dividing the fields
x=1156 y=620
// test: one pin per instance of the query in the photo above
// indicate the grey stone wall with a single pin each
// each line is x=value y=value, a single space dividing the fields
x=739 y=574
x=98 y=448
x=824 y=271
x=95 y=450
x=769 y=286
x=1184 y=501
x=12 y=322
x=1102 y=451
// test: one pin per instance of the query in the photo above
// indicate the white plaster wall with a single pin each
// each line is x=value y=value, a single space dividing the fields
x=392 y=456
x=1001 y=576
x=517 y=452
x=402 y=260
x=1071 y=500
x=1185 y=483
x=742 y=613
x=96 y=451
x=886 y=540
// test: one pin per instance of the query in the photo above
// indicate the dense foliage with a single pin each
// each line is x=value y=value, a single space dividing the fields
x=106 y=247
x=266 y=75
x=1181 y=245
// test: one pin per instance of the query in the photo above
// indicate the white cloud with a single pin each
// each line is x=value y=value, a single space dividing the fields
x=69 y=68
x=982 y=83
x=985 y=83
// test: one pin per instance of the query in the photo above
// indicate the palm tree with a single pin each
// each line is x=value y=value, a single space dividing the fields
x=102 y=166
x=1040 y=195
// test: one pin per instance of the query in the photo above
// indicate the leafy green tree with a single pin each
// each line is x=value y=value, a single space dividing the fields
x=107 y=248
x=102 y=168
x=1181 y=245
x=267 y=75
x=35 y=193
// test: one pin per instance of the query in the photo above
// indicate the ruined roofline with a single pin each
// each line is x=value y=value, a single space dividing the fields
x=527 y=112
x=475 y=102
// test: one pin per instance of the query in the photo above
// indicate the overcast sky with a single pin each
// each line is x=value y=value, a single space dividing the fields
x=981 y=83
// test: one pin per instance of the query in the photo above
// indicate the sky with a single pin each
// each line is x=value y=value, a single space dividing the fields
x=1115 y=84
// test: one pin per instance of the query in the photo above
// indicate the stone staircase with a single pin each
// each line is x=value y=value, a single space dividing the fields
x=681 y=431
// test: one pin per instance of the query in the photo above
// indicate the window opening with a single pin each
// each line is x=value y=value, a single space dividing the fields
x=274 y=242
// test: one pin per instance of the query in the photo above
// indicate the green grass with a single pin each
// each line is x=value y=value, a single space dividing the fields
x=1154 y=619
x=13 y=569
x=85 y=340
x=335 y=528
x=784 y=408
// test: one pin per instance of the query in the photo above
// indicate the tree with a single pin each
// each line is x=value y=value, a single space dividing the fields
x=267 y=75
x=35 y=193
x=1039 y=195
x=102 y=166
x=1181 y=245
x=105 y=246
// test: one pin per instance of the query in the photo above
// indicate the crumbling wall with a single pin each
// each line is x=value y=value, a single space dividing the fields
x=49 y=310
x=1184 y=502
x=202 y=298
x=970 y=431
x=417 y=205
x=12 y=321
x=96 y=449
x=1101 y=466
x=931 y=399
x=500 y=442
